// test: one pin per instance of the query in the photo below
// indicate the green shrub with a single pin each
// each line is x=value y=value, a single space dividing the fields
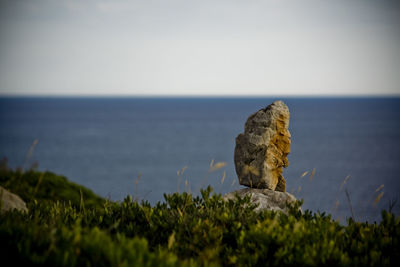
x=27 y=242
x=187 y=230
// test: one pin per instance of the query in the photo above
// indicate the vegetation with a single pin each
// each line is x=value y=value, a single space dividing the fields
x=46 y=187
x=67 y=225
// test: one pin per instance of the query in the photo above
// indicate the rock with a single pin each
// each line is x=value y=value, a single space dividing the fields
x=10 y=201
x=261 y=151
x=265 y=198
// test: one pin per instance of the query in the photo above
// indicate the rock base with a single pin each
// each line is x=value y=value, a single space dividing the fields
x=265 y=198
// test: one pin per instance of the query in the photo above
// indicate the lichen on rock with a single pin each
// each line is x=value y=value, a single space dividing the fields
x=261 y=151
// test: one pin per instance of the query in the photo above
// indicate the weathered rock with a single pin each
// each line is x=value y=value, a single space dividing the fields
x=261 y=151
x=265 y=198
x=10 y=201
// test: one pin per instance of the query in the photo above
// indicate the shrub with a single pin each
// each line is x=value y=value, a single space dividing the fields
x=187 y=230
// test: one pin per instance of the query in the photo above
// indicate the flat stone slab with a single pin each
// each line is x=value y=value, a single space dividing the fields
x=266 y=199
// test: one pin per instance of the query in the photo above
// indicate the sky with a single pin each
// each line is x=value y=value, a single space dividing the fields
x=200 y=47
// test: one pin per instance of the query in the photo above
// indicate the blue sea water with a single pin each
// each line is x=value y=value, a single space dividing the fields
x=136 y=146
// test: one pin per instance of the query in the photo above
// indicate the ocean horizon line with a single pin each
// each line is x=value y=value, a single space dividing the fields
x=183 y=96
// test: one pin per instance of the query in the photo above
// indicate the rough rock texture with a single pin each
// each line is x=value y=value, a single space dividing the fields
x=265 y=198
x=10 y=201
x=261 y=151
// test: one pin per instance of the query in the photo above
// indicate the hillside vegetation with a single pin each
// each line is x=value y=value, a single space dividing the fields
x=68 y=225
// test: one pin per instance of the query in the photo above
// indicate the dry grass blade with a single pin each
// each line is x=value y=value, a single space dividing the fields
x=181 y=171
x=184 y=169
x=336 y=205
x=211 y=163
x=379 y=188
x=187 y=186
x=378 y=198
x=233 y=182
x=349 y=201
x=217 y=166
x=299 y=189
x=138 y=178
x=312 y=174
x=38 y=183
x=223 y=177
x=304 y=174
x=30 y=152
x=344 y=182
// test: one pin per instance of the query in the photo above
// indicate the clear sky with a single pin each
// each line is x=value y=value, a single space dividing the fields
x=199 y=47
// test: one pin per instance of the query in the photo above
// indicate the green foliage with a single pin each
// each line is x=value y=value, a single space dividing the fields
x=187 y=230
x=28 y=242
x=46 y=186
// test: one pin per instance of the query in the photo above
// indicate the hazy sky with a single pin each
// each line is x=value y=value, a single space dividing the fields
x=192 y=47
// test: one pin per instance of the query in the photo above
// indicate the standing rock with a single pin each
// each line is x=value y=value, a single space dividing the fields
x=261 y=151
x=10 y=201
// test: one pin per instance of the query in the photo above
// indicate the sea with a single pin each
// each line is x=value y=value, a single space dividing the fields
x=344 y=159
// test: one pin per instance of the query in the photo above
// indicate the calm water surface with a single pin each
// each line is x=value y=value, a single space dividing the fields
x=107 y=143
